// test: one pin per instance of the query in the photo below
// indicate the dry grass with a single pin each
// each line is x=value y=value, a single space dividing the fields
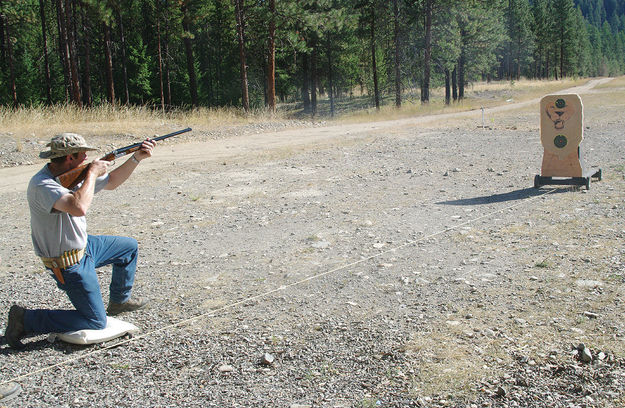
x=447 y=362
x=41 y=123
x=529 y=89
x=614 y=83
x=594 y=101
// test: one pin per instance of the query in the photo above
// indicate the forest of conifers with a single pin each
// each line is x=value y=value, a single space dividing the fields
x=252 y=53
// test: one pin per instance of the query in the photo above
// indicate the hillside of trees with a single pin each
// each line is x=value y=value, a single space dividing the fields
x=255 y=53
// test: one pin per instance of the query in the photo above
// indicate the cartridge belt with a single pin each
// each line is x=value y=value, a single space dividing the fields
x=68 y=259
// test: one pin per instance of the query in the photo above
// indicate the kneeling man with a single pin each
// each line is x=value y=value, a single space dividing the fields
x=59 y=235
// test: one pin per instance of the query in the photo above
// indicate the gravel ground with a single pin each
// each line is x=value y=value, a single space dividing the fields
x=395 y=265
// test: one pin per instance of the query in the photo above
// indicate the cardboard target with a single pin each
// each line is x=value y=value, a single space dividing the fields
x=561 y=132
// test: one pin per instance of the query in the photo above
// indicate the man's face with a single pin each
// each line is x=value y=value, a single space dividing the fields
x=77 y=159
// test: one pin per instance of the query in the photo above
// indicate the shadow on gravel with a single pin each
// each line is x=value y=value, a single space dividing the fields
x=29 y=346
x=42 y=344
x=500 y=198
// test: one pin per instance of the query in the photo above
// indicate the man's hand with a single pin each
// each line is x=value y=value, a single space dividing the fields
x=99 y=167
x=121 y=174
x=146 y=149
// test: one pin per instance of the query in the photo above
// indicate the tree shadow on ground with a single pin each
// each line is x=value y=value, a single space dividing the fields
x=500 y=198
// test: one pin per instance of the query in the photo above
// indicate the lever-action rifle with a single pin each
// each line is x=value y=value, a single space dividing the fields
x=73 y=177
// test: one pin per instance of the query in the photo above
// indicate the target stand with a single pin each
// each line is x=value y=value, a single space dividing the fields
x=561 y=133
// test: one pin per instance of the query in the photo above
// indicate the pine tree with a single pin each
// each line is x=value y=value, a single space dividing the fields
x=188 y=53
x=396 y=43
x=480 y=36
x=520 y=43
x=542 y=29
x=562 y=13
x=44 y=34
x=446 y=51
x=240 y=17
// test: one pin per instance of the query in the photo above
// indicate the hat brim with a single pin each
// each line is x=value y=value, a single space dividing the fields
x=52 y=154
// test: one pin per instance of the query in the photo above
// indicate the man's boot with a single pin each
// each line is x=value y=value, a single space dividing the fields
x=128 y=306
x=15 y=327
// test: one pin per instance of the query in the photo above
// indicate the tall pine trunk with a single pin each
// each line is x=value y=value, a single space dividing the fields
x=314 y=79
x=122 y=40
x=454 y=83
x=535 y=64
x=562 y=73
x=160 y=63
x=306 y=82
x=238 y=9
x=86 y=83
x=376 y=90
x=518 y=60
x=189 y=53
x=9 y=56
x=271 y=58
x=508 y=55
x=3 y=53
x=60 y=25
x=396 y=39
x=167 y=60
x=72 y=54
x=108 y=64
x=461 y=63
x=330 y=74
x=217 y=96
x=427 y=60
x=46 y=63
x=447 y=86
x=67 y=49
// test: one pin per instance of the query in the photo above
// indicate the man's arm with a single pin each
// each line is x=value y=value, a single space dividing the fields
x=121 y=174
x=78 y=202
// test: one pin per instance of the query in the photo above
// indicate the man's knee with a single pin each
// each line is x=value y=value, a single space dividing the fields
x=130 y=243
x=97 y=323
x=133 y=246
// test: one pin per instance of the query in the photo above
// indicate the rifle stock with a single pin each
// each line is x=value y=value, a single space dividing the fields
x=73 y=177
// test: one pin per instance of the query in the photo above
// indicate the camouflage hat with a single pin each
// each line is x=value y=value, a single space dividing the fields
x=64 y=144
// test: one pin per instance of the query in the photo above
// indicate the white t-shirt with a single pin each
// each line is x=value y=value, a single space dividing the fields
x=54 y=232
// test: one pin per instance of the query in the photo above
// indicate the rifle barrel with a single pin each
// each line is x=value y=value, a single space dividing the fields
x=131 y=148
x=72 y=178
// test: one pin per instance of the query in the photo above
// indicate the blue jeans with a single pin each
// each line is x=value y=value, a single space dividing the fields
x=82 y=287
